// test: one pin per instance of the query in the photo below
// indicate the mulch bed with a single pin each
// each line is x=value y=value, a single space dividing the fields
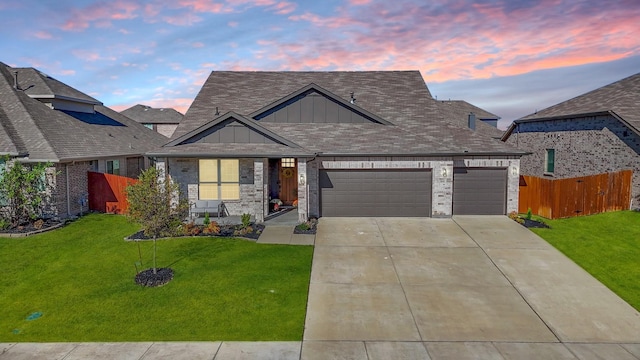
x=37 y=226
x=534 y=224
x=149 y=279
x=225 y=231
x=307 y=228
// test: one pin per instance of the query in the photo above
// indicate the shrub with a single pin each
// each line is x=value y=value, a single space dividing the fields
x=529 y=214
x=212 y=228
x=246 y=220
x=304 y=226
x=515 y=217
x=38 y=224
x=207 y=220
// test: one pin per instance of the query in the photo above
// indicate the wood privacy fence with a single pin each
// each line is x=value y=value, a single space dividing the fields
x=107 y=192
x=562 y=198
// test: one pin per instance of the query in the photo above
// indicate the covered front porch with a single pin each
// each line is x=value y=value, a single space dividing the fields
x=257 y=186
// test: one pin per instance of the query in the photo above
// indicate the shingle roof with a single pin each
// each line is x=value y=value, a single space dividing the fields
x=44 y=134
x=457 y=111
x=149 y=115
x=399 y=97
x=621 y=97
x=39 y=85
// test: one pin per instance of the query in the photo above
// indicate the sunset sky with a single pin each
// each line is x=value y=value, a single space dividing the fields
x=508 y=57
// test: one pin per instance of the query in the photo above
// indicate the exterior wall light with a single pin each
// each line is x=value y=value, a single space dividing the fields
x=301 y=180
x=514 y=171
x=444 y=172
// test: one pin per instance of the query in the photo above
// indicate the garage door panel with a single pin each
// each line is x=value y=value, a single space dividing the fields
x=479 y=191
x=375 y=192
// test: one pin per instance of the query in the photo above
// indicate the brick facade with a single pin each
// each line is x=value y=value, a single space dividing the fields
x=441 y=182
x=583 y=146
x=69 y=186
x=254 y=180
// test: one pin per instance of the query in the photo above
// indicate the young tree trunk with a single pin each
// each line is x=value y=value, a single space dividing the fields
x=139 y=253
x=155 y=269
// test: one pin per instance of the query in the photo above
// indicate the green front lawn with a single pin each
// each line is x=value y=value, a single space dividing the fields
x=81 y=279
x=606 y=245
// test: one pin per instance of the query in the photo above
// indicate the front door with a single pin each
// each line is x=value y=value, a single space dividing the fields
x=288 y=176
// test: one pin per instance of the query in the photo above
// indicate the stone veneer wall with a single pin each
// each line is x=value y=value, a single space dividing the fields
x=442 y=181
x=252 y=184
x=583 y=146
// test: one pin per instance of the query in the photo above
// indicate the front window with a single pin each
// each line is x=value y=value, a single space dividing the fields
x=219 y=179
x=550 y=160
x=113 y=167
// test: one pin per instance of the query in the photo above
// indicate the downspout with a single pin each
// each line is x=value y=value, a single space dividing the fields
x=66 y=168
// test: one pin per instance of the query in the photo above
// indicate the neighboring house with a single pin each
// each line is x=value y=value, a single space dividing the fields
x=44 y=120
x=337 y=144
x=461 y=112
x=593 y=133
x=162 y=120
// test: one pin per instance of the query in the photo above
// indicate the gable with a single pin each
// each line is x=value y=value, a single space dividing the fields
x=231 y=132
x=313 y=107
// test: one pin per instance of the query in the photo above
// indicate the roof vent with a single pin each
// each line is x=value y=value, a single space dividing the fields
x=15 y=80
x=353 y=99
x=472 y=121
x=217 y=111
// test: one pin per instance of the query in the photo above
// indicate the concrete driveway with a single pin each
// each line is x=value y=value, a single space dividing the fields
x=467 y=287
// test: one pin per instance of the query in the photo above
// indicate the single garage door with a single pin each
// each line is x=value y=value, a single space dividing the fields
x=479 y=191
x=375 y=193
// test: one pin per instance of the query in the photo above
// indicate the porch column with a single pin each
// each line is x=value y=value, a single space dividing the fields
x=513 y=185
x=258 y=183
x=442 y=189
x=303 y=204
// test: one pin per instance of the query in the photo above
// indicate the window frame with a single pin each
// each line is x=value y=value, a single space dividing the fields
x=113 y=167
x=549 y=161
x=220 y=180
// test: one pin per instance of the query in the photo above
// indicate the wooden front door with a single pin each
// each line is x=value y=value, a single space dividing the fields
x=288 y=176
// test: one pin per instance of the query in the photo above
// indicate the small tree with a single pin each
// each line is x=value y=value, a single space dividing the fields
x=22 y=191
x=155 y=203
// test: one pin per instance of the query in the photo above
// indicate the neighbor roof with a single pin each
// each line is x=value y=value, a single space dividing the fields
x=36 y=131
x=621 y=98
x=150 y=115
x=457 y=111
x=39 y=85
x=400 y=98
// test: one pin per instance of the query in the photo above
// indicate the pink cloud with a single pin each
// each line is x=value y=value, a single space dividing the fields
x=197 y=45
x=284 y=7
x=458 y=41
x=204 y=6
x=232 y=24
x=43 y=35
x=101 y=14
x=182 y=20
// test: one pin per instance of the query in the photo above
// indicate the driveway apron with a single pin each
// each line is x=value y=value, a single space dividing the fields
x=466 y=279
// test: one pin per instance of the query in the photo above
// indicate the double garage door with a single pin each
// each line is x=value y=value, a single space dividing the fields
x=375 y=193
x=407 y=193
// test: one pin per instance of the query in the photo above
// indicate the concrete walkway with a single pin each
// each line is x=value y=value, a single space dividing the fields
x=464 y=288
x=279 y=230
